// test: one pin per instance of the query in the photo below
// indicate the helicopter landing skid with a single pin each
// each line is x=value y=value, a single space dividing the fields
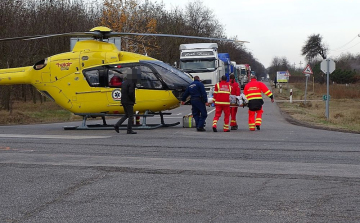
x=105 y=126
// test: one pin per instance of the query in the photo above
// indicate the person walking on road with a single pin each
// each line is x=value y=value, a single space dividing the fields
x=198 y=100
x=128 y=101
x=235 y=91
x=221 y=98
x=253 y=91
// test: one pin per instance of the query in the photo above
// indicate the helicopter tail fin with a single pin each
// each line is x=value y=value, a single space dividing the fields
x=20 y=75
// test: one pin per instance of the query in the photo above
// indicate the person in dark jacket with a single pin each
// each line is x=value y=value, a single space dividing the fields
x=128 y=101
x=198 y=99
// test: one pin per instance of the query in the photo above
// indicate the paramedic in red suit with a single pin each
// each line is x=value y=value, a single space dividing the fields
x=235 y=90
x=221 y=97
x=252 y=92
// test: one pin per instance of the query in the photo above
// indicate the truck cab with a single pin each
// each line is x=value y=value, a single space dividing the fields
x=201 y=59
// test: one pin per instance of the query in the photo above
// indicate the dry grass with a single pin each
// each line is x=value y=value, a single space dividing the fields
x=344 y=105
x=28 y=112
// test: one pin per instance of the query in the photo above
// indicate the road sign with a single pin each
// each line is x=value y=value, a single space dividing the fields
x=307 y=70
x=282 y=77
x=325 y=97
x=324 y=66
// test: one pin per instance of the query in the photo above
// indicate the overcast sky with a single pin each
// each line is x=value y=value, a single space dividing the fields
x=281 y=27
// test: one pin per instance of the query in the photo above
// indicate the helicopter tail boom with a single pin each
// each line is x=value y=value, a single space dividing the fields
x=12 y=76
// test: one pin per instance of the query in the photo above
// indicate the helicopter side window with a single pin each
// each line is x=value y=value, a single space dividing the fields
x=148 y=80
x=115 y=78
x=92 y=77
x=40 y=65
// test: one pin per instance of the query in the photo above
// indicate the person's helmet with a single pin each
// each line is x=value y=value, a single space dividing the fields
x=253 y=76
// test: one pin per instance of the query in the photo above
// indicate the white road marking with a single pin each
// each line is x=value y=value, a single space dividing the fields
x=211 y=111
x=51 y=136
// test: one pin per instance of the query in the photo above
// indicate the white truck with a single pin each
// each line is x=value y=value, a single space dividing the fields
x=244 y=71
x=201 y=59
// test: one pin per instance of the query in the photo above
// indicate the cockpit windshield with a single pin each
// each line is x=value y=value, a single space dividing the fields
x=173 y=78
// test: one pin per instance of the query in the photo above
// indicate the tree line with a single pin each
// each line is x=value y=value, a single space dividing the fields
x=315 y=51
x=42 y=17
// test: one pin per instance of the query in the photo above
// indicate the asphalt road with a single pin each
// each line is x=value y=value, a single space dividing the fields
x=282 y=173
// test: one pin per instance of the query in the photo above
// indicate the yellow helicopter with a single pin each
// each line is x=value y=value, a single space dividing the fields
x=87 y=80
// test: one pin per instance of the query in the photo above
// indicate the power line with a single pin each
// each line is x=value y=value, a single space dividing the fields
x=352 y=46
x=337 y=49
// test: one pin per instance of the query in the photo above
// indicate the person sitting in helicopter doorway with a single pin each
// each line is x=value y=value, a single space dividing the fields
x=198 y=99
x=128 y=101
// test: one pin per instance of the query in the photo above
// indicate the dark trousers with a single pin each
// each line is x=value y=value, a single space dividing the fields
x=129 y=114
x=199 y=112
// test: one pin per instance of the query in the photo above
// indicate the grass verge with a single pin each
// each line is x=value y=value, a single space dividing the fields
x=28 y=113
x=344 y=106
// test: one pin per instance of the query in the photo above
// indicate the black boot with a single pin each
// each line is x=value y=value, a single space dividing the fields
x=131 y=132
x=258 y=127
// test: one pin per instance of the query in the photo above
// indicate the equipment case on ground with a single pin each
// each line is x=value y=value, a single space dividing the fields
x=189 y=121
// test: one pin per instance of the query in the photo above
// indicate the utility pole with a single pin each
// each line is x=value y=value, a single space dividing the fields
x=300 y=64
x=294 y=66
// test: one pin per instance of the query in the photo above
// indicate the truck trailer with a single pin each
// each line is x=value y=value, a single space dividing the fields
x=225 y=57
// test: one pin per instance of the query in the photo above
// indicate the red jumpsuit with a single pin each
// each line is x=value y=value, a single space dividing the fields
x=221 y=97
x=252 y=92
x=235 y=90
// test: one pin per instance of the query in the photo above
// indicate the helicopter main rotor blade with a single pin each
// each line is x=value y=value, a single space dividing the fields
x=95 y=34
x=19 y=38
x=100 y=34
x=140 y=42
x=167 y=35
x=79 y=34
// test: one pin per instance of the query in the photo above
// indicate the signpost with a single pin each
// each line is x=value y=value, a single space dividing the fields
x=307 y=71
x=327 y=66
